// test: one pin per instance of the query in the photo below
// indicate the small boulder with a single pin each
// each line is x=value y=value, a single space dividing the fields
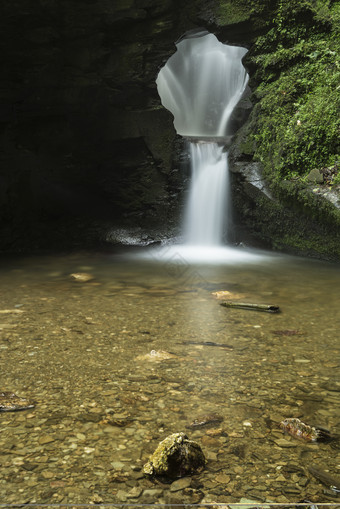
x=176 y=456
x=315 y=176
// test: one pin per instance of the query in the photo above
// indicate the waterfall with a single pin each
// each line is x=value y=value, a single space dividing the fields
x=201 y=84
x=205 y=218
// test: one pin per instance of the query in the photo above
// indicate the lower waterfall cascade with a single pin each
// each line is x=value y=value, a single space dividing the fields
x=208 y=198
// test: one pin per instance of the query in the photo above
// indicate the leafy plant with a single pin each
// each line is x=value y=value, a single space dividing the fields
x=296 y=123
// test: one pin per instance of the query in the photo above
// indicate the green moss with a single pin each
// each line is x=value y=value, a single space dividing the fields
x=296 y=224
x=175 y=456
x=296 y=124
x=315 y=244
x=300 y=198
x=231 y=11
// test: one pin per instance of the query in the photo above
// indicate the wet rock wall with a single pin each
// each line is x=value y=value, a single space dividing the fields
x=84 y=142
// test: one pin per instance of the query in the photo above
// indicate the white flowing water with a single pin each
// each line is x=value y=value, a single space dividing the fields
x=207 y=203
x=201 y=84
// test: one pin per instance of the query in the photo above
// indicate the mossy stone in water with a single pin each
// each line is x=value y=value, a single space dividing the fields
x=175 y=456
x=315 y=176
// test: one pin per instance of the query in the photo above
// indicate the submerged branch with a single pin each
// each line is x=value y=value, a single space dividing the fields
x=208 y=343
x=325 y=478
x=269 y=308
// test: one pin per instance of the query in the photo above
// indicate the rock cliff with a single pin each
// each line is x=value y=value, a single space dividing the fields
x=84 y=141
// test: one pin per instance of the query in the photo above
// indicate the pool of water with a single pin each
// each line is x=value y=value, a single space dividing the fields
x=87 y=354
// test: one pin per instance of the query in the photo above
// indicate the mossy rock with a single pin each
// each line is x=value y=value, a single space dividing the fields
x=175 y=456
x=231 y=12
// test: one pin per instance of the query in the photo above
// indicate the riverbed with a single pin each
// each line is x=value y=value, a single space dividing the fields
x=137 y=349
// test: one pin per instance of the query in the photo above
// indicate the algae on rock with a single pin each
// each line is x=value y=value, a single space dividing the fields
x=175 y=456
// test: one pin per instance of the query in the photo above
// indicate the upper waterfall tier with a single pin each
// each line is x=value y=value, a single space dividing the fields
x=201 y=84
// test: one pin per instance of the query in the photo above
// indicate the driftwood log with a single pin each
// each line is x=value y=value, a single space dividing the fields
x=269 y=308
x=208 y=343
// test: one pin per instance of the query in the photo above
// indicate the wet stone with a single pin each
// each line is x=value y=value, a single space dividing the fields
x=223 y=478
x=291 y=490
x=180 y=484
x=81 y=277
x=117 y=465
x=211 y=455
x=303 y=482
x=47 y=474
x=121 y=496
x=175 y=456
x=135 y=492
x=46 y=439
x=281 y=442
x=247 y=501
x=152 y=493
x=256 y=495
x=29 y=466
x=210 y=442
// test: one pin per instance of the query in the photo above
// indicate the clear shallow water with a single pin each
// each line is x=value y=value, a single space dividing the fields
x=81 y=352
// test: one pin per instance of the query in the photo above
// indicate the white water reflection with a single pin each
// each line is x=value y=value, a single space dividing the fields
x=202 y=254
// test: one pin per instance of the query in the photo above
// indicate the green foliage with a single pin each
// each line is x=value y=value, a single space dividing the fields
x=232 y=12
x=238 y=11
x=296 y=122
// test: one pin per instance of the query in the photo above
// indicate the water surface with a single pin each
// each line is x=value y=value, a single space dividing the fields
x=81 y=351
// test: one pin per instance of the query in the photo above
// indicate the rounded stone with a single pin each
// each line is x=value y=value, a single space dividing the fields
x=175 y=456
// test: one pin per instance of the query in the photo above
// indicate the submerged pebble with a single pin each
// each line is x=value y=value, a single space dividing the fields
x=156 y=355
x=205 y=420
x=81 y=277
